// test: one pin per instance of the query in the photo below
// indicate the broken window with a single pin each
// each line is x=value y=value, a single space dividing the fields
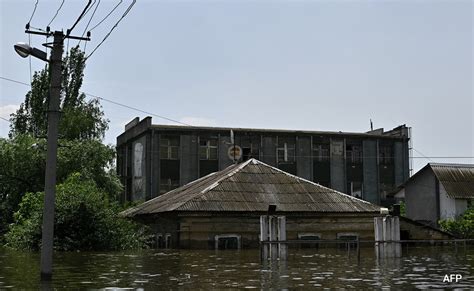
x=169 y=163
x=385 y=154
x=355 y=188
x=208 y=149
x=227 y=242
x=250 y=146
x=321 y=161
x=169 y=147
x=286 y=150
x=353 y=153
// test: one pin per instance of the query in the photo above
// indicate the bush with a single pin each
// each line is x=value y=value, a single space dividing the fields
x=463 y=227
x=84 y=220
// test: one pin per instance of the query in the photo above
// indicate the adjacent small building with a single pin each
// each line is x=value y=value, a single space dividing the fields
x=154 y=159
x=438 y=191
x=223 y=209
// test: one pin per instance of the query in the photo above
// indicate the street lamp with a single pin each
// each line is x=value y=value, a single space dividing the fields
x=47 y=233
x=24 y=50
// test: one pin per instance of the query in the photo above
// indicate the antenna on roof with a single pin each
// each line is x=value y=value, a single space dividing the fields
x=371 y=125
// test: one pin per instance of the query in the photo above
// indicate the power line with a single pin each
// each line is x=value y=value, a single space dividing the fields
x=137 y=109
x=88 y=23
x=78 y=19
x=107 y=16
x=116 y=24
x=57 y=11
x=110 y=101
x=32 y=14
x=5 y=119
x=428 y=158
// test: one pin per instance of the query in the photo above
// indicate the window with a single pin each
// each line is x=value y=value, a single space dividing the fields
x=353 y=153
x=355 y=188
x=311 y=237
x=169 y=148
x=352 y=239
x=227 y=242
x=320 y=150
x=286 y=150
x=385 y=154
x=167 y=185
x=208 y=149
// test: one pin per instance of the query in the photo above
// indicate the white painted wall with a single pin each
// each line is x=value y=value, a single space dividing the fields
x=447 y=205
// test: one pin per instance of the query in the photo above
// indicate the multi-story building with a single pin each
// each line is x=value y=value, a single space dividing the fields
x=154 y=159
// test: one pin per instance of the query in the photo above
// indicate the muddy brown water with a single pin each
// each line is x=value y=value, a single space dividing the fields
x=421 y=267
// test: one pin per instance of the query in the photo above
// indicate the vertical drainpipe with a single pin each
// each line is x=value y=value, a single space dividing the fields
x=377 y=161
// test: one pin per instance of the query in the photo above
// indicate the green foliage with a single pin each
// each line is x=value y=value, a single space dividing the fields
x=463 y=227
x=84 y=220
x=80 y=119
x=403 y=208
x=23 y=165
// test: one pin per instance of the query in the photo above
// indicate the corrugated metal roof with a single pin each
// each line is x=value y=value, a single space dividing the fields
x=457 y=179
x=251 y=187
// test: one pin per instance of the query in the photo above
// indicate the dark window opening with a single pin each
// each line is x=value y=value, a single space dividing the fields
x=207 y=167
x=353 y=153
x=250 y=145
x=169 y=175
x=351 y=240
x=386 y=154
x=355 y=188
x=310 y=237
x=227 y=242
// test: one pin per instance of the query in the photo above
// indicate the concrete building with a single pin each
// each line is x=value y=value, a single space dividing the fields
x=154 y=159
x=438 y=191
x=223 y=209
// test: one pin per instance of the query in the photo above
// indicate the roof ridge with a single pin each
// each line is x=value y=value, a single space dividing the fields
x=311 y=182
x=216 y=183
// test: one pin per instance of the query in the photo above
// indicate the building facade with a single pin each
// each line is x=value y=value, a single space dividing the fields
x=438 y=192
x=154 y=159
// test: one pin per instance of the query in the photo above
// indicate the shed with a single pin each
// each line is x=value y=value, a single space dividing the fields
x=439 y=191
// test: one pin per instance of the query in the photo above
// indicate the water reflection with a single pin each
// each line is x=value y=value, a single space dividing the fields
x=422 y=268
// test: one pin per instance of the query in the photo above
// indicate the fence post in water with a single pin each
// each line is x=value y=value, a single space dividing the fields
x=273 y=236
x=358 y=249
x=264 y=248
x=387 y=236
x=282 y=247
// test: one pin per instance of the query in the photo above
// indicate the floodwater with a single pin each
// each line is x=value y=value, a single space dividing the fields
x=422 y=267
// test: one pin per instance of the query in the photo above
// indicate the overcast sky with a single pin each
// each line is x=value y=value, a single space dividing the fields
x=313 y=65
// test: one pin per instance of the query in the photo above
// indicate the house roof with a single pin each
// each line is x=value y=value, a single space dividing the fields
x=457 y=179
x=251 y=187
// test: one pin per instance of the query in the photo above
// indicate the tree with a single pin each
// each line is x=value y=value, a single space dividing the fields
x=82 y=126
x=85 y=220
x=80 y=119
x=462 y=227
x=23 y=165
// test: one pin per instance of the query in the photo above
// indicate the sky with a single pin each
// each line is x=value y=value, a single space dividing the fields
x=309 y=65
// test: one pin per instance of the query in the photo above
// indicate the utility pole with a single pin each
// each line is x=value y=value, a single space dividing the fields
x=47 y=235
x=51 y=158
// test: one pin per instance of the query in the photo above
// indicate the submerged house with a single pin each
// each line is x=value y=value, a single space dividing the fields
x=223 y=209
x=438 y=191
